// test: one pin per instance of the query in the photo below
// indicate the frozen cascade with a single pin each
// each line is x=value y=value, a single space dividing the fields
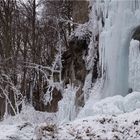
x=134 y=65
x=67 y=109
x=114 y=44
x=118 y=57
x=121 y=19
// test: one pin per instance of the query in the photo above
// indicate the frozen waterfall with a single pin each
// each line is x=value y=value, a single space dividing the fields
x=121 y=20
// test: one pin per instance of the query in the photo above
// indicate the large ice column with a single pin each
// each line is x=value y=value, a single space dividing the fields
x=121 y=19
x=67 y=108
x=134 y=65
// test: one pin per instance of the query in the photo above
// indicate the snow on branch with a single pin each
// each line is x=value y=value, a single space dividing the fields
x=7 y=87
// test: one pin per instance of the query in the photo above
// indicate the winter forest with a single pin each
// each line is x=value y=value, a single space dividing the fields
x=69 y=69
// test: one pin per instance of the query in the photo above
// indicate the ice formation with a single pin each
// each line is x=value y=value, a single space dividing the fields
x=112 y=105
x=67 y=109
x=134 y=66
x=121 y=20
x=118 y=21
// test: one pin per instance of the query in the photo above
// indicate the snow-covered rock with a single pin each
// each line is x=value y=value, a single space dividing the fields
x=112 y=105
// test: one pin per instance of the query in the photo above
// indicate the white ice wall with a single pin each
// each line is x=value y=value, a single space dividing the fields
x=121 y=19
x=134 y=65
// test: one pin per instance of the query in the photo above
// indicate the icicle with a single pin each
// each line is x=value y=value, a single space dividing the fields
x=67 y=109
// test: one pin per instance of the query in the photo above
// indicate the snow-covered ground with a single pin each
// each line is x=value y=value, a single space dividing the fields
x=23 y=125
x=17 y=131
x=111 y=118
x=124 y=126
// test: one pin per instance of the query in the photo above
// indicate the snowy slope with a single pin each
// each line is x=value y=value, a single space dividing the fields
x=16 y=131
x=126 y=126
x=23 y=126
x=110 y=118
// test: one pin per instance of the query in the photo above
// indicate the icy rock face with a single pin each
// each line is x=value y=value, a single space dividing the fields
x=121 y=19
